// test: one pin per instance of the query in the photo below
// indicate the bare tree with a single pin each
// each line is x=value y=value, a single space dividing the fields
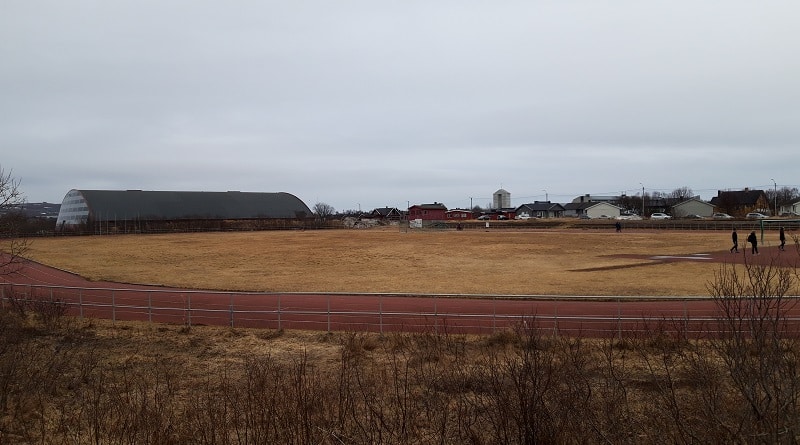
x=12 y=244
x=323 y=211
x=681 y=193
x=782 y=196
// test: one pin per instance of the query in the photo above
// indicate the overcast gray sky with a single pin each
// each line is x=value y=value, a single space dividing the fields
x=383 y=103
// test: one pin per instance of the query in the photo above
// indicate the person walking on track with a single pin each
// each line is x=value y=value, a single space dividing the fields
x=735 y=239
x=782 y=237
x=753 y=240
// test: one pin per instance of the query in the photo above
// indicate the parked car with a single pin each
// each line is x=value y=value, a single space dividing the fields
x=755 y=215
x=523 y=216
x=629 y=217
x=721 y=216
x=660 y=216
x=693 y=216
x=789 y=214
x=484 y=217
x=502 y=217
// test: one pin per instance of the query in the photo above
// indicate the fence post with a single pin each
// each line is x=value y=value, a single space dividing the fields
x=555 y=322
x=619 y=320
x=436 y=312
x=685 y=320
x=280 y=326
x=113 y=307
x=231 y=311
x=80 y=302
x=150 y=307
x=189 y=309
x=329 y=313
x=380 y=312
x=494 y=315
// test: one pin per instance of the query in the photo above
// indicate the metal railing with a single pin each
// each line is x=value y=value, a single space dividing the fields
x=374 y=312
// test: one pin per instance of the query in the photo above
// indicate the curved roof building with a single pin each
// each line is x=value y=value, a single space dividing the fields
x=81 y=206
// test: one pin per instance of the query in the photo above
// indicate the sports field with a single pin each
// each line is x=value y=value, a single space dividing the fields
x=543 y=262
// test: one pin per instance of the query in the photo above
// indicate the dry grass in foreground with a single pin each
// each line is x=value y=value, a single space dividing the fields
x=65 y=380
x=389 y=260
x=88 y=382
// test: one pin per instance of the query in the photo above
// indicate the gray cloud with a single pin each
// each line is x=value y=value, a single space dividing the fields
x=382 y=103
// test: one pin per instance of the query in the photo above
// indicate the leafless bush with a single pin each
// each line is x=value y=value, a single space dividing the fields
x=48 y=310
x=13 y=245
x=31 y=377
x=759 y=350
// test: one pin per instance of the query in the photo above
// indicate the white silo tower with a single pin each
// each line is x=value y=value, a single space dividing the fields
x=501 y=199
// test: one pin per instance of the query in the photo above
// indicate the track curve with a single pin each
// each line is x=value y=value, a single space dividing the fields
x=580 y=316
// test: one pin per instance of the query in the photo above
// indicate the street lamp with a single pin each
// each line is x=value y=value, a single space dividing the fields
x=642 y=199
x=775 y=197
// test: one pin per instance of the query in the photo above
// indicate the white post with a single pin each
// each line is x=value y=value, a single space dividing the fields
x=555 y=323
x=436 y=313
x=231 y=311
x=494 y=315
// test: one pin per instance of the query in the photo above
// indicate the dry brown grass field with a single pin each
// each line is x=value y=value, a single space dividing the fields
x=518 y=262
x=81 y=381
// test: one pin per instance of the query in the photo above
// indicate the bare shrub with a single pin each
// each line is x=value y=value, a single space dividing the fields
x=13 y=244
x=759 y=350
x=524 y=402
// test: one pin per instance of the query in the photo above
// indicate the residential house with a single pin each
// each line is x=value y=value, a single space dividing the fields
x=384 y=214
x=592 y=210
x=595 y=198
x=692 y=206
x=741 y=202
x=428 y=212
x=458 y=214
x=541 y=209
x=791 y=209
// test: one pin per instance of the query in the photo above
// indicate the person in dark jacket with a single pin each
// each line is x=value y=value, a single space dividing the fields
x=753 y=240
x=735 y=239
x=782 y=237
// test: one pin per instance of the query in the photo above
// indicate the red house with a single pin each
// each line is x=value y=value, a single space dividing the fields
x=428 y=212
x=459 y=214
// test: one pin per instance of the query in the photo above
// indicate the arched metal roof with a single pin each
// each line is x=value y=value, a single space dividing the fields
x=170 y=205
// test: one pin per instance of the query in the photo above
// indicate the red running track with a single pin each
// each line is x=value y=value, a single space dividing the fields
x=577 y=316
